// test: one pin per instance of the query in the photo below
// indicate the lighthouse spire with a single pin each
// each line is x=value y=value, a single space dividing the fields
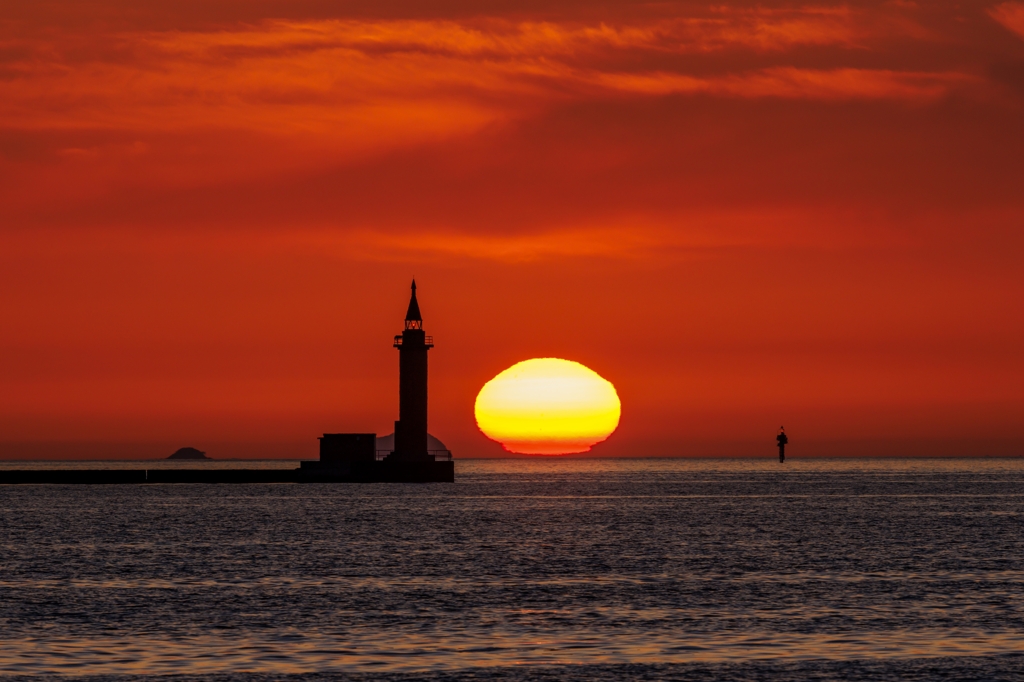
x=413 y=319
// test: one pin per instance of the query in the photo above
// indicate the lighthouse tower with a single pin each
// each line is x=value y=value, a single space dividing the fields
x=411 y=427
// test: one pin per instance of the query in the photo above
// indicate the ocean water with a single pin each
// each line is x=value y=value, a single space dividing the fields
x=527 y=569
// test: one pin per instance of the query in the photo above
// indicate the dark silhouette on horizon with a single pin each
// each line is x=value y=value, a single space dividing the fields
x=386 y=443
x=410 y=454
x=188 y=453
x=348 y=447
x=411 y=427
x=782 y=439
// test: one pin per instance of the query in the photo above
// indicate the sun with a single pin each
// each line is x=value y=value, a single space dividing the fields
x=548 y=406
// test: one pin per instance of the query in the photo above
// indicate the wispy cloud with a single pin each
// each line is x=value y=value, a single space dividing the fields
x=353 y=81
x=641 y=237
x=188 y=108
x=1010 y=15
x=788 y=82
x=637 y=237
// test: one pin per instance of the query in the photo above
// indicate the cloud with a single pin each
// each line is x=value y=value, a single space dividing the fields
x=396 y=82
x=763 y=30
x=790 y=82
x=85 y=116
x=634 y=237
x=630 y=243
x=1010 y=15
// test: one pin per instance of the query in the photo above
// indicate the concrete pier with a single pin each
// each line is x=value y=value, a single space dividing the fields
x=310 y=472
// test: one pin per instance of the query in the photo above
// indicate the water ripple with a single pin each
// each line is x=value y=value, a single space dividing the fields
x=622 y=569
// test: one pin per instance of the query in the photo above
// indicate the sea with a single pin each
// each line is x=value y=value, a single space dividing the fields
x=542 y=569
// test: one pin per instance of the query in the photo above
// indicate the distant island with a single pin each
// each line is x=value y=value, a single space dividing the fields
x=189 y=453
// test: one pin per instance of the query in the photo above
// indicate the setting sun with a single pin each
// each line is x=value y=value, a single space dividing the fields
x=548 y=406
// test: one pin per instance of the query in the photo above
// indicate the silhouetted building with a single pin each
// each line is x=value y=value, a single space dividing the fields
x=411 y=427
x=411 y=457
x=348 y=447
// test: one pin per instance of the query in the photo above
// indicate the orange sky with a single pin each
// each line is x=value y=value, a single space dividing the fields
x=743 y=215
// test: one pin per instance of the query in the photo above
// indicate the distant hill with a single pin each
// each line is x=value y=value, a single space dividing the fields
x=189 y=453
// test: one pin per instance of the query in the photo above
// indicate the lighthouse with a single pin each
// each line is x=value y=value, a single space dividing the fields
x=411 y=427
x=409 y=456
